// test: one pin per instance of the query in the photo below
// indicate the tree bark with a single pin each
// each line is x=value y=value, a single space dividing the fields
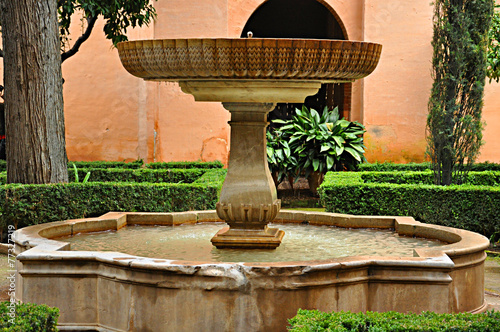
x=36 y=151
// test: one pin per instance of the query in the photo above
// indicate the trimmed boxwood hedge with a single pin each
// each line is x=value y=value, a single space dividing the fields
x=137 y=175
x=106 y=164
x=185 y=164
x=135 y=164
x=24 y=205
x=486 y=178
x=313 y=320
x=391 y=167
x=27 y=317
x=475 y=208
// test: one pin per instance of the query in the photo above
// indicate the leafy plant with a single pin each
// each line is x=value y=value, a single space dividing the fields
x=322 y=143
x=77 y=178
x=282 y=163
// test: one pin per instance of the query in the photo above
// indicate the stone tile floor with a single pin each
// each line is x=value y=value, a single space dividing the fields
x=492 y=282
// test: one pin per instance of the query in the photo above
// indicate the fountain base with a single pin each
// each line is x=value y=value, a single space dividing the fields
x=268 y=238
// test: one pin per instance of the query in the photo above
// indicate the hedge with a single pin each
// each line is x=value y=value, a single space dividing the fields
x=130 y=175
x=106 y=164
x=27 y=317
x=390 y=167
x=475 y=208
x=24 y=205
x=186 y=164
x=135 y=164
x=486 y=178
x=137 y=175
x=313 y=320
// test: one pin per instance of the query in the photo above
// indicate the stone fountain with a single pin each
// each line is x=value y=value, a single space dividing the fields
x=113 y=291
x=249 y=76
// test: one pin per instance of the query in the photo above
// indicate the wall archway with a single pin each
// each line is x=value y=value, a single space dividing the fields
x=302 y=19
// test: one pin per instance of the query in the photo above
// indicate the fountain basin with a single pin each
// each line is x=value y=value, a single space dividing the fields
x=118 y=292
x=249 y=69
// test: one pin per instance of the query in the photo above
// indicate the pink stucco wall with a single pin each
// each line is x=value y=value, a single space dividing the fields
x=111 y=115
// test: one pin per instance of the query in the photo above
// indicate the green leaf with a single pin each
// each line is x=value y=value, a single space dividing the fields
x=339 y=140
x=324 y=148
x=330 y=161
x=315 y=164
x=339 y=150
x=353 y=153
x=315 y=116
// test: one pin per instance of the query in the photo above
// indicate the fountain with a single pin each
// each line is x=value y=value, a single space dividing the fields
x=112 y=291
x=249 y=76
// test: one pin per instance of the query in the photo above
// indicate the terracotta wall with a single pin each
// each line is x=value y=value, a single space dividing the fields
x=111 y=115
x=396 y=94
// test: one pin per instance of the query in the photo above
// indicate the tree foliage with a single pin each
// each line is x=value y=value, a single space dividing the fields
x=493 y=70
x=454 y=122
x=117 y=14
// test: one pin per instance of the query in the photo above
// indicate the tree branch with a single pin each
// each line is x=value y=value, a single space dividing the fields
x=90 y=25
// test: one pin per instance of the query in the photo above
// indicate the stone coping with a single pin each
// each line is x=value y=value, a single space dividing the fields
x=41 y=239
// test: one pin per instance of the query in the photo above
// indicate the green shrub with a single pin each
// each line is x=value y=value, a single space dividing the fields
x=3 y=165
x=313 y=320
x=486 y=178
x=186 y=164
x=138 y=175
x=213 y=176
x=317 y=143
x=106 y=164
x=390 y=167
x=475 y=208
x=27 y=317
x=24 y=205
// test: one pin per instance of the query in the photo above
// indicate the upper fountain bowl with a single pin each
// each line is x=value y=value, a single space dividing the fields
x=250 y=69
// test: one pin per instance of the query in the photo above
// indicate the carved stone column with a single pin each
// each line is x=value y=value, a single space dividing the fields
x=248 y=200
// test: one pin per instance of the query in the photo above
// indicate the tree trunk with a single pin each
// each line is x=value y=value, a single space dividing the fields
x=34 y=114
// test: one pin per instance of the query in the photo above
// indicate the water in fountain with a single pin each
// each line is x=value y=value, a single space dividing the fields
x=303 y=242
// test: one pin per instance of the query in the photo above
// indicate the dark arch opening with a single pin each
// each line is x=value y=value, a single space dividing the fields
x=301 y=19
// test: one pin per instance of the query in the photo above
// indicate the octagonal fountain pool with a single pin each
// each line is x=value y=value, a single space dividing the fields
x=113 y=291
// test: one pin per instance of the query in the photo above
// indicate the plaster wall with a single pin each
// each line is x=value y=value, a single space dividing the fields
x=107 y=111
x=111 y=115
x=396 y=94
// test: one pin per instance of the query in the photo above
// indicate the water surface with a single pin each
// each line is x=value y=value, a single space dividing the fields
x=301 y=242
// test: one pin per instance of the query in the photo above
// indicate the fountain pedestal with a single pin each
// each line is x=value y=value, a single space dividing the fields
x=248 y=200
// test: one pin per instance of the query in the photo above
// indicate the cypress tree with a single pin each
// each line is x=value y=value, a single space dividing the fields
x=459 y=70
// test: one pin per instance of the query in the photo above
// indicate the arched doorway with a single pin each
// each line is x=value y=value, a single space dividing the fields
x=302 y=19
